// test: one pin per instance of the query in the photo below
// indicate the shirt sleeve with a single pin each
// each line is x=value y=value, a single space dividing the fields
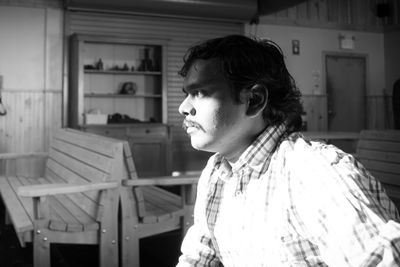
x=353 y=223
x=197 y=247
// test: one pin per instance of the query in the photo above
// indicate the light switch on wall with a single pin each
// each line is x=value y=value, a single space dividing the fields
x=295 y=47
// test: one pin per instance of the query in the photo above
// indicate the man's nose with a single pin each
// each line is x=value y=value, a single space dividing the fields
x=185 y=107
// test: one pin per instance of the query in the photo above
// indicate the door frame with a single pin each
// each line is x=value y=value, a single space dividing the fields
x=365 y=56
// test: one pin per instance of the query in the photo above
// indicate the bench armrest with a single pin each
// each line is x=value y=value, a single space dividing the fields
x=7 y=156
x=162 y=180
x=62 y=188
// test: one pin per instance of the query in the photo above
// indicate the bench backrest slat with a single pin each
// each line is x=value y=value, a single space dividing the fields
x=379 y=145
x=379 y=152
x=68 y=163
x=98 y=161
x=87 y=140
x=53 y=176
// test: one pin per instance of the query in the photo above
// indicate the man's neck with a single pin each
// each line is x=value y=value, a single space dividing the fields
x=233 y=156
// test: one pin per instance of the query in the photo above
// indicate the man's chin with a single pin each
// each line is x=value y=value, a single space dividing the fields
x=197 y=146
x=201 y=146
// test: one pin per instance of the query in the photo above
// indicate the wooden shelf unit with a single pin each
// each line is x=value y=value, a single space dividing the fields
x=94 y=88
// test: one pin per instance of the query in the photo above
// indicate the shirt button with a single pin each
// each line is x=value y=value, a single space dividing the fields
x=238 y=193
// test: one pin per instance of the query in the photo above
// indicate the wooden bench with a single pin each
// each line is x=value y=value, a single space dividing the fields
x=148 y=209
x=75 y=201
x=379 y=152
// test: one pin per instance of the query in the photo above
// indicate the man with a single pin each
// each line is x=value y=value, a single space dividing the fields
x=268 y=196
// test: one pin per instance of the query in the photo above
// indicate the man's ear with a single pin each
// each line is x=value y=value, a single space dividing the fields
x=257 y=100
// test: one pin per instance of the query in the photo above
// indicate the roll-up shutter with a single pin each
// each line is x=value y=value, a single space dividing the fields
x=179 y=33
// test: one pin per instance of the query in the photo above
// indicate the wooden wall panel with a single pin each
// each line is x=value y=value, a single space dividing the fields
x=379 y=112
x=31 y=116
x=316 y=113
x=339 y=14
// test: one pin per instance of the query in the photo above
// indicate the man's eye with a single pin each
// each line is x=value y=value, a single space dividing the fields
x=198 y=93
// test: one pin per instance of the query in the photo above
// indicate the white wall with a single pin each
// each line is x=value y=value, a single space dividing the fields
x=30 y=48
x=307 y=68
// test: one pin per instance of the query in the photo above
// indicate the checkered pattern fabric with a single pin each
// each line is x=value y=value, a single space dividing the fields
x=289 y=201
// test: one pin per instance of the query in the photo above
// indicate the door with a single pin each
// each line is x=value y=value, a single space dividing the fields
x=346 y=95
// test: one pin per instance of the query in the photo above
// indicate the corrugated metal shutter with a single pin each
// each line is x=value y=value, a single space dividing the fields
x=180 y=35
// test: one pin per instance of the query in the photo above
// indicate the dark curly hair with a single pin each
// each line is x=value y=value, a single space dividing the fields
x=246 y=62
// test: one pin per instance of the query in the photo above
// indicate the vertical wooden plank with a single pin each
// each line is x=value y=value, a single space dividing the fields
x=372 y=18
x=282 y=14
x=292 y=13
x=391 y=19
x=343 y=12
x=24 y=127
x=378 y=112
x=313 y=10
x=395 y=12
x=323 y=11
x=349 y=12
x=361 y=7
x=302 y=11
x=315 y=107
x=333 y=11
x=340 y=12
x=54 y=120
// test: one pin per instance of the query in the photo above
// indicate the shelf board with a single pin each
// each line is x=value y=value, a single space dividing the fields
x=121 y=72
x=123 y=96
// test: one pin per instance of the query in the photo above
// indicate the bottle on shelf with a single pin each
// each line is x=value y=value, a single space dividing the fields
x=99 y=64
x=147 y=64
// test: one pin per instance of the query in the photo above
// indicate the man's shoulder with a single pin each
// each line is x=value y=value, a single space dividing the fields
x=297 y=146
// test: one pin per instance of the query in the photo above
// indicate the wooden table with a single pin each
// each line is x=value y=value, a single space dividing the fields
x=333 y=135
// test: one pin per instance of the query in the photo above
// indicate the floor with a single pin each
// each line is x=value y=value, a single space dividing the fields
x=157 y=251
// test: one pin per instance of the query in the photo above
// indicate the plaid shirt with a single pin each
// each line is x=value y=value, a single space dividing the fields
x=288 y=201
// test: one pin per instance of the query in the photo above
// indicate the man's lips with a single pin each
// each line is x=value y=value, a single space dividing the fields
x=190 y=124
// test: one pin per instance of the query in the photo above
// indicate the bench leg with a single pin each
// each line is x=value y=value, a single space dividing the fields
x=130 y=251
x=108 y=249
x=7 y=218
x=41 y=248
x=187 y=219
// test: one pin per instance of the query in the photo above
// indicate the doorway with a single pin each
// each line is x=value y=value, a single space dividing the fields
x=346 y=94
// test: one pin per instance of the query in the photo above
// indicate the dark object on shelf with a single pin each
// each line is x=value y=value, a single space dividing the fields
x=121 y=118
x=396 y=104
x=128 y=88
x=116 y=68
x=383 y=10
x=89 y=67
x=147 y=64
x=125 y=67
x=100 y=65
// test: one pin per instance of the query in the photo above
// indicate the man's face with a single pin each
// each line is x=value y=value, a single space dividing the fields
x=213 y=120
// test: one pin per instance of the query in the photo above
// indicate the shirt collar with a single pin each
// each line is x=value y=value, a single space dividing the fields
x=258 y=154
